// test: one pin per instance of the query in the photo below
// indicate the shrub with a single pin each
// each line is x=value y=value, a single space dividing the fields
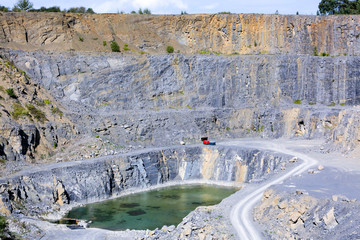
x=255 y=43
x=36 y=113
x=11 y=93
x=325 y=54
x=57 y=111
x=332 y=104
x=126 y=47
x=315 y=53
x=46 y=101
x=81 y=39
x=170 y=49
x=114 y=46
x=19 y=111
x=297 y=101
x=104 y=43
x=3 y=227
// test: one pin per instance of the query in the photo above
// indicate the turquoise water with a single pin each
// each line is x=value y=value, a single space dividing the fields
x=151 y=209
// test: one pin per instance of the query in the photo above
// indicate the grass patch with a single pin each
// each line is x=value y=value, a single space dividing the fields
x=204 y=51
x=81 y=39
x=11 y=93
x=19 y=111
x=190 y=107
x=324 y=54
x=126 y=47
x=104 y=43
x=57 y=111
x=36 y=113
x=331 y=104
x=342 y=104
x=227 y=129
x=297 y=101
x=95 y=39
x=312 y=103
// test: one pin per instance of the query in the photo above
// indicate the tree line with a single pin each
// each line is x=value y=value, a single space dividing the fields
x=330 y=7
x=26 y=5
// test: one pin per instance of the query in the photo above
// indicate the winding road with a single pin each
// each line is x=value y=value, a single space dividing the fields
x=241 y=217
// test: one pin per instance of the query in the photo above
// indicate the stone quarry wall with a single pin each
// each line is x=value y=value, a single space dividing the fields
x=164 y=99
x=40 y=191
x=220 y=33
x=157 y=82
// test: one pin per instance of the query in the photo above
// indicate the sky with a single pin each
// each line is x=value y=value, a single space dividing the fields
x=308 y=7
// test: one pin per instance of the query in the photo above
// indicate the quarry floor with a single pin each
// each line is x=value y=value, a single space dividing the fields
x=338 y=174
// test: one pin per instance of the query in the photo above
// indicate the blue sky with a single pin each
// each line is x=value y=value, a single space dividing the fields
x=190 y=6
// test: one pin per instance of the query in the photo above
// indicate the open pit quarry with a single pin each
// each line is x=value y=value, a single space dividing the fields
x=279 y=94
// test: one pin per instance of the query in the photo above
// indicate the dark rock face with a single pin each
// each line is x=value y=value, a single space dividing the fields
x=161 y=99
x=99 y=179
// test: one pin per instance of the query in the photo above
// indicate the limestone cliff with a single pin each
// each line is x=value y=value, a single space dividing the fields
x=219 y=33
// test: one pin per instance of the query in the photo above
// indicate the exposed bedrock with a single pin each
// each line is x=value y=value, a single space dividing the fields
x=163 y=99
x=80 y=182
x=290 y=215
x=220 y=33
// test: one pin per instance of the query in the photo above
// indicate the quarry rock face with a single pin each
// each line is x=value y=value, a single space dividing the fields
x=165 y=99
x=218 y=33
x=231 y=76
x=99 y=179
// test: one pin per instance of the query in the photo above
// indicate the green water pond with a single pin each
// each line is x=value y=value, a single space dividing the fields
x=150 y=209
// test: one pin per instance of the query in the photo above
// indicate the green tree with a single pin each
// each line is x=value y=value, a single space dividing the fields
x=23 y=5
x=4 y=9
x=76 y=10
x=90 y=10
x=147 y=11
x=140 y=11
x=114 y=46
x=330 y=7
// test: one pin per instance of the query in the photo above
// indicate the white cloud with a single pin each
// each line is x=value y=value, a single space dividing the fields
x=111 y=6
x=211 y=6
x=159 y=4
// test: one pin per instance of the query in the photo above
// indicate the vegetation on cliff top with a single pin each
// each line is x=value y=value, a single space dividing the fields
x=329 y=7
